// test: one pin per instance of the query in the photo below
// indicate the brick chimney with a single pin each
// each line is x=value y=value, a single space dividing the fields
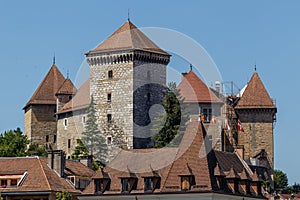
x=57 y=161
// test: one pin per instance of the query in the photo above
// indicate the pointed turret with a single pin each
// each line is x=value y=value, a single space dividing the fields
x=256 y=112
x=45 y=93
x=40 y=120
x=255 y=95
x=65 y=93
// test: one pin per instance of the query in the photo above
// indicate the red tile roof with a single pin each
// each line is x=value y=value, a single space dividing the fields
x=67 y=88
x=167 y=163
x=78 y=169
x=45 y=93
x=81 y=100
x=194 y=90
x=255 y=95
x=40 y=177
x=127 y=37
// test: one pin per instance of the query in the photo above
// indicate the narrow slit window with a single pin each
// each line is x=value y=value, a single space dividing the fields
x=110 y=74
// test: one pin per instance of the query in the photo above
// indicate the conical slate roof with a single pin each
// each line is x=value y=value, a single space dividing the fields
x=255 y=95
x=45 y=93
x=67 y=88
x=127 y=37
x=194 y=90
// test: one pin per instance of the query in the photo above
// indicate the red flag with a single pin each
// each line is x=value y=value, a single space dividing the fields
x=240 y=128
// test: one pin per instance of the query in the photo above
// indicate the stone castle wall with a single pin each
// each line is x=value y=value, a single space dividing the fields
x=73 y=130
x=40 y=124
x=258 y=132
x=120 y=86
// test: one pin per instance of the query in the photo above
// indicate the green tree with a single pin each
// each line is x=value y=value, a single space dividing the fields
x=167 y=124
x=280 y=180
x=36 y=150
x=80 y=150
x=13 y=143
x=1 y=198
x=64 y=195
x=92 y=137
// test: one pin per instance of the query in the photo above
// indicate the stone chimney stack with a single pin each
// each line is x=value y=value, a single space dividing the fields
x=57 y=161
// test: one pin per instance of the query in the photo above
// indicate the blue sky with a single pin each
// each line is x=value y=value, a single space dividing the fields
x=236 y=34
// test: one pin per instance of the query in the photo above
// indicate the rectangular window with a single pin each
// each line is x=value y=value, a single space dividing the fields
x=69 y=143
x=13 y=182
x=3 y=183
x=54 y=139
x=109 y=97
x=207 y=112
x=109 y=140
x=125 y=184
x=148 y=182
x=47 y=138
x=109 y=117
x=110 y=74
x=65 y=122
x=148 y=96
x=83 y=119
x=185 y=183
x=98 y=185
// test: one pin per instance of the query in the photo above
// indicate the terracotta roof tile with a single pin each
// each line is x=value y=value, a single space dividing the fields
x=79 y=169
x=231 y=174
x=167 y=164
x=40 y=177
x=193 y=90
x=45 y=93
x=67 y=88
x=255 y=95
x=218 y=171
x=81 y=99
x=127 y=37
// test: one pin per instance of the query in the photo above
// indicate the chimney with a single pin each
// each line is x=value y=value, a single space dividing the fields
x=218 y=86
x=57 y=161
x=240 y=151
x=87 y=161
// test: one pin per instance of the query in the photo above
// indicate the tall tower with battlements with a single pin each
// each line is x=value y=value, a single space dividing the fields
x=127 y=77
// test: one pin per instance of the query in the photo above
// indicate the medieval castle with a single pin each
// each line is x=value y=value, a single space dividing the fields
x=127 y=77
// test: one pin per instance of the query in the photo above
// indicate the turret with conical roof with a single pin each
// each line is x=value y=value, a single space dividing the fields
x=127 y=76
x=40 y=123
x=256 y=112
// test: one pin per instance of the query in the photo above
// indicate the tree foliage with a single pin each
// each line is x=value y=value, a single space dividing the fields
x=280 y=180
x=36 y=150
x=64 y=195
x=167 y=124
x=80 y=151
x=13 y=143
x=92 y=137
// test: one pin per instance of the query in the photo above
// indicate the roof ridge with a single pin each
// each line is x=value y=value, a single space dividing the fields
x=45 y=176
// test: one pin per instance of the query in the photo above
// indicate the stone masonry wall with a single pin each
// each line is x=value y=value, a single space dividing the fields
x=258 y=132
x=73 y=130
x=40 y=122
x=120 y=86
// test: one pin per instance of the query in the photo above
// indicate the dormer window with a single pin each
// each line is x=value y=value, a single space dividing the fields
x=186 y=182
x=207 y=114
x=148 y=182
x=99 y=187
x=125 y=184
